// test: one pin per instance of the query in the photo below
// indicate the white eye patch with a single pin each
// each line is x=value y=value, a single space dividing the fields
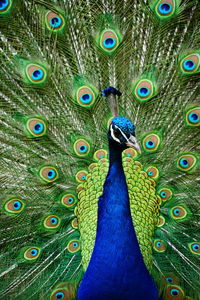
x=113 y=135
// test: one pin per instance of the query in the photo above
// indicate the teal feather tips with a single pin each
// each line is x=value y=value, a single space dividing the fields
x=55 y=21
x=152 y=172
x=145 y=87
x=194 y=248
x=32 y=72
x=174 y=292
x=179 y=213
x=31 y=254
x=81 y=176
x=14 y=206
x=187 y=162
x=84 y=92
x=64 y=291
x=35 y=127
x=5 y=6
x=189 y=63
x=74 y=246
x=51 y=223
x=165 y=9
x=159 y=245
x=81 y=147
x=68 y=199
x=48 y=174
x=109 y=37
x=192 y=116
x=151 y=142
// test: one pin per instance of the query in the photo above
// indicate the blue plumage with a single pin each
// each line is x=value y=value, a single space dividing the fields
x=116 y=269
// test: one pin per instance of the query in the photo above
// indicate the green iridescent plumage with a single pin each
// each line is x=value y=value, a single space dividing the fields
x=56 y=58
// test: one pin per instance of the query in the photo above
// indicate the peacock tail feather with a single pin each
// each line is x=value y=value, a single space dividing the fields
x=56 y=58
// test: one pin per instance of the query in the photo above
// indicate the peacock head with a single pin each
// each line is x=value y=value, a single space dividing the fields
x=122 y=131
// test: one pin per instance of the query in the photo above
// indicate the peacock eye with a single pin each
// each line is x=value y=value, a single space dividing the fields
x=165 y=8
x=36 y=73
x=174 y=292
x=189 y=65
x=60 y=295
x=186 y=162
x=54 y=21
x=193 y=116
x=4 y=4
x=143 y=92
x=117 y=133
x=109 y=41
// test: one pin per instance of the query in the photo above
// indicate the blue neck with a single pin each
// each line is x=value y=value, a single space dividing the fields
x=116 y=269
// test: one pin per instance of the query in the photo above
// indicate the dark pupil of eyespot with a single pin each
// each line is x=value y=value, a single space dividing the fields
x=150 y=143
x=59 y=296
x=165 y=7
x=54 y=20
x=144 y=90
x=36 y=73
x=53 y=220
x=50 y=173
x=2 y=2
x=174 y=293
x=190 y=63
x=185 y=162
x=16 y=205
x=109 y=41
x=169 y=280
x=194 y=116
x=82 y=147
x=85 y=97
x=37 y=127
x=196 y=247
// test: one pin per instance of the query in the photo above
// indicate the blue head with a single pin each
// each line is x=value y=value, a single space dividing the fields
x=122 y=132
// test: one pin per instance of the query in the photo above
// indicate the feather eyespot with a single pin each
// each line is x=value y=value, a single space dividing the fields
x=54 y=21
x=178 y=212
x=165 y=9
x=193 y=117
x=74 y=223
x=36 y=73
x=190 y=64
x=85 y=96
x=68 y=200
x=73 y=246
x=100 y=154
x=4 y=5
x=81 y=176
x=186 y=162
x=64 y=291
x=151 y=142
x=14 y=206
x=81 y=147
x=52 y=222
x=109 y=41
x=35 y=127
x=32 y=253
x=161 y=221
x=48 y=174
x=144 y=90
x=165 y=194
x=174 y=292
x=195 y=248
x=153 y=172
x=171 y=279
x=159 y=245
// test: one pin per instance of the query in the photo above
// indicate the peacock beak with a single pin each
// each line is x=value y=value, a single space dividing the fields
x=132 y=142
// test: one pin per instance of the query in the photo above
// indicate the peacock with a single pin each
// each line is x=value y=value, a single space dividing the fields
x=99 y=136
